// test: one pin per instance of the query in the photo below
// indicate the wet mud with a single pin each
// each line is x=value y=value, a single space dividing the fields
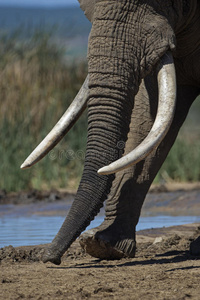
x=163 y=268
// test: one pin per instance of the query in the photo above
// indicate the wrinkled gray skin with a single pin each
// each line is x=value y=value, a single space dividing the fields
x=127 y=40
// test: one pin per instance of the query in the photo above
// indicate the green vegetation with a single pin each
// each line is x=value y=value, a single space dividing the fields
x=36 y=87
x=183 y=161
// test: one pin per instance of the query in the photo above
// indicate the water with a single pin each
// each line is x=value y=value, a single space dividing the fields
x=36 y=229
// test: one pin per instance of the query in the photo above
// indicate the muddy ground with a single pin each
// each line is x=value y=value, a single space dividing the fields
x=163 y=268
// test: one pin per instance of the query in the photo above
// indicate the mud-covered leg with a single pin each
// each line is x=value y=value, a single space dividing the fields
x=115 y=237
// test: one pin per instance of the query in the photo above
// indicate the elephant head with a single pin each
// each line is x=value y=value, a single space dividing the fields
x=128 y=40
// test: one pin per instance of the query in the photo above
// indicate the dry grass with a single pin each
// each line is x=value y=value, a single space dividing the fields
x=36 y=87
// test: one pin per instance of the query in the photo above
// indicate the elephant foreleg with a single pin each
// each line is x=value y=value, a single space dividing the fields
x=115 y=237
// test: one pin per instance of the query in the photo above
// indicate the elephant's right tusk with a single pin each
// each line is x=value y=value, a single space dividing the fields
x=61 y=128
x=166 y=108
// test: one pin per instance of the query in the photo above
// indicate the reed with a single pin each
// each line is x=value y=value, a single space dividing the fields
x=36 y=87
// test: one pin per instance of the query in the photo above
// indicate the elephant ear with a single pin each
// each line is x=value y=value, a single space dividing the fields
x=88 y=8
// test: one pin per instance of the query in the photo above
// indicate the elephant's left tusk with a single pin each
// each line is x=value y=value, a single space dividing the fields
x=166 y=108
x=66 y=122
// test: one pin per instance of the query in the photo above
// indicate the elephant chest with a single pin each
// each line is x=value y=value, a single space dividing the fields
x=188 y=69
x=187 y=57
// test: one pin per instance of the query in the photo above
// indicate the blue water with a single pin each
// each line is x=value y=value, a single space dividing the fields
x=34 y=229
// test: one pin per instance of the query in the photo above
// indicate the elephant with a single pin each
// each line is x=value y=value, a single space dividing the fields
x=143 y=76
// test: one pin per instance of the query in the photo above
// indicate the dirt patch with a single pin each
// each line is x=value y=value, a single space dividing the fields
x=174 y=186
x=163 y=269
x=35 y=196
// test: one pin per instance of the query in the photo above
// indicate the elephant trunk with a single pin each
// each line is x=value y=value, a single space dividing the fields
x=116 y=66
x=109 y=111
x=106 y=127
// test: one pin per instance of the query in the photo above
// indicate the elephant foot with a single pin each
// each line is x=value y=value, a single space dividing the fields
x=50 y=256
x=104 y=244
x=195 y=247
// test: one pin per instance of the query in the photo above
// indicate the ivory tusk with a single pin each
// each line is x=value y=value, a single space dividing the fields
x=61 y=128
x=166 y=108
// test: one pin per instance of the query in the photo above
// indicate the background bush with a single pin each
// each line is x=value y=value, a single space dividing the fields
x=36 y=87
